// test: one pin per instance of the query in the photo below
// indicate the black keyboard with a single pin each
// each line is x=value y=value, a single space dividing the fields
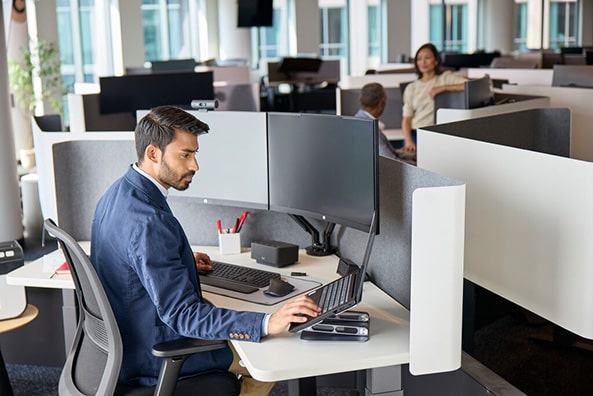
x=335 y=293
x=237 y=278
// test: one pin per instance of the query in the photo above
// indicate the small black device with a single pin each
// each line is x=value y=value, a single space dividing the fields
x=203 y=104
x=275 y=253
x=278 y=288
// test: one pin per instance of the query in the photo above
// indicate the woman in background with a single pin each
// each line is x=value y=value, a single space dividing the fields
x=418 y=109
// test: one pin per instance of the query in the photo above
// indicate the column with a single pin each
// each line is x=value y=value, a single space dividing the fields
x=308 y=29
x=399 y=27
x=234 y=42
x=129 y=32
x=11 y=227
x=497 y=29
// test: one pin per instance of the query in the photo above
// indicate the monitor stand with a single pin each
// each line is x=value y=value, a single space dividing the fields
x=319 y=246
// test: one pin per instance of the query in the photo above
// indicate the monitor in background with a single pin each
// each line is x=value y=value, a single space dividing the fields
x=173 y=65
x=578 y=76
x=126 y=94
x=324 y=167
x=478 y=93
x=254 y=13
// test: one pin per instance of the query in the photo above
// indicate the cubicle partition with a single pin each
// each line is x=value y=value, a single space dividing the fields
x=528 y=214
x=348 y=103
x=541 y=77
x=578 y=100
x=417 y=257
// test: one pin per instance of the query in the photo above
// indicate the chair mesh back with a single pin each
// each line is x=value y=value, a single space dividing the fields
x=93 y=364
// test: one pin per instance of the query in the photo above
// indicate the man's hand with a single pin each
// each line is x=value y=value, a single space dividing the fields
x=203 y=262
x=292 y=311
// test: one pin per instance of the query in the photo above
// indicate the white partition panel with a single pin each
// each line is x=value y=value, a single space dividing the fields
x=450 y=115
x=436 y=279
x=528 y=224
x=515 y=76
x=579 y=101
x=387 y=80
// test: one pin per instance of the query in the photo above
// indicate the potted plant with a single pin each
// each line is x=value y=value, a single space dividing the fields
x=40 y=59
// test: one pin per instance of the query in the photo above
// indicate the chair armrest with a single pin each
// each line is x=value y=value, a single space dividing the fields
x=186 y=346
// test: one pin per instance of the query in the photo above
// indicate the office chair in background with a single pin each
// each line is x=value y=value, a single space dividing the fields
x=94 y=360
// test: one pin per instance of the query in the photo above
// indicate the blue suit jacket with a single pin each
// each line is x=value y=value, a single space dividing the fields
x=146 y=265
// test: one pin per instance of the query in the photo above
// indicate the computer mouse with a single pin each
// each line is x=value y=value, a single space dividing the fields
x=278 y=288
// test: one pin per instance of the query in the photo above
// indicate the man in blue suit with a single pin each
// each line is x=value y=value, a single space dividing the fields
x=149 y=271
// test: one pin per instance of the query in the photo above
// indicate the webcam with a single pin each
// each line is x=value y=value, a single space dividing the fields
x=204 y=104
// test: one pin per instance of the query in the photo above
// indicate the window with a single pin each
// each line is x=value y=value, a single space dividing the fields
x=563 y=24
x=374 y=30
x=334 y=31
x=170 y=29
x=448 y=27
x=520 y=26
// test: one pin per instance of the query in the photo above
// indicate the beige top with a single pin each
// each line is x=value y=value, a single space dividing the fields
x=417 y=101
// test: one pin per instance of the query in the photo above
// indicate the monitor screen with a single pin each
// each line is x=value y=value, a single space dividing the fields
x=478 y=93
x=129 y=93
x=253 y=13
x=324 y=167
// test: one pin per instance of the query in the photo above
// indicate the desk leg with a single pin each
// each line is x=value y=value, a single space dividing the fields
x=69 y=315
x=5 y=387
x=302 y=387
x=384 y=381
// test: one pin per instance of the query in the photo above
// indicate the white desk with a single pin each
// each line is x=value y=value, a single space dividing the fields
x=285 y=356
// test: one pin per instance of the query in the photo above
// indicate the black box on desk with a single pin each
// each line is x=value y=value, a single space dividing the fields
x=275 y=253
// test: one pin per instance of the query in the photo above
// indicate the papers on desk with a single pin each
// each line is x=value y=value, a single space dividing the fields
x=53 y=261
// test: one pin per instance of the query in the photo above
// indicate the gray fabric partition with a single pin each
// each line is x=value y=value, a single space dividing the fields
x=541 y=130
x=392 y=115
x=84 y=169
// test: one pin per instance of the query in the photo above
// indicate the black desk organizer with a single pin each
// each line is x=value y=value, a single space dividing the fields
x=347 y=326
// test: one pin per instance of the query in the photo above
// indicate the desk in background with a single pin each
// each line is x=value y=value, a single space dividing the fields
x=389 y=327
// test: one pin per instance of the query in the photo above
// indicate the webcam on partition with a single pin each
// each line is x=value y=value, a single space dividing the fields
x=204 y=104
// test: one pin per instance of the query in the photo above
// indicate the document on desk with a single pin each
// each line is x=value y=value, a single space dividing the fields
x=52 y=261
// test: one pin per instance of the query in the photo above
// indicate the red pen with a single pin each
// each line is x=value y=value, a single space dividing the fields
x=242 y=220
x=219 y=226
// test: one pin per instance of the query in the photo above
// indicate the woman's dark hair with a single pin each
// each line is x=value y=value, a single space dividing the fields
x=437 y=56
x=158 y=128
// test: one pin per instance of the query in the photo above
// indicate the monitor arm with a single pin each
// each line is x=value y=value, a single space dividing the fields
x=319 y=247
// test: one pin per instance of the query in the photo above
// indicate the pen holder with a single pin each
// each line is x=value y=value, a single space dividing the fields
x=229 y=243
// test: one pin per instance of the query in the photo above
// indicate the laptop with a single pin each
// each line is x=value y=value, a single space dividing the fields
x=341 y=294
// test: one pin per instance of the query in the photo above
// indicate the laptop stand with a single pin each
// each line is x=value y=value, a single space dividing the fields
x=347 y=326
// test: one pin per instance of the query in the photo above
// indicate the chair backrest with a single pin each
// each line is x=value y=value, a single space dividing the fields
x=94 y=360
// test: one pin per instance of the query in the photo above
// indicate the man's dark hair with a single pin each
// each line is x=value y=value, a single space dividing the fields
x=371 y=94
x=429 y=46
x=158 y=128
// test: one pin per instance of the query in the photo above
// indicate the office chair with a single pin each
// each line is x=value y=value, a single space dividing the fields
x=93 y=363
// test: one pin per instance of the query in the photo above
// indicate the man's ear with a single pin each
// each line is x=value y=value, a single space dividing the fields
x=152 y=153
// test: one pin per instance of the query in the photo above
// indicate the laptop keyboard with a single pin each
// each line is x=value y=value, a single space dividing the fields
x=238 y=278
x=336 y=293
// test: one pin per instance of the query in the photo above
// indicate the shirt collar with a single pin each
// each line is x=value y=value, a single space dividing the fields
x=162 y=189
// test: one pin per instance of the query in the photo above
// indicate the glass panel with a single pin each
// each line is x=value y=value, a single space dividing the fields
x=436 y=26
x=86 y=29
x=65 y=35
x=152 y=34
x=374 y=32
x=520 y=26
x=176 y=33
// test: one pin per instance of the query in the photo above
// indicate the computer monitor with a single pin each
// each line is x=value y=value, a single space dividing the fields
x=126 y=94
x=254 y=13
x=323 y=167
x=478 y=92
x=173 y=65
x=578 y=76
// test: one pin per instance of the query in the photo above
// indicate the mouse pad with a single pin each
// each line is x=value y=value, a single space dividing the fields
x=300 y=286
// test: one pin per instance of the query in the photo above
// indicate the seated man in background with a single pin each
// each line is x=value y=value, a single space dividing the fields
x=149 y=270
x=373 y=99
